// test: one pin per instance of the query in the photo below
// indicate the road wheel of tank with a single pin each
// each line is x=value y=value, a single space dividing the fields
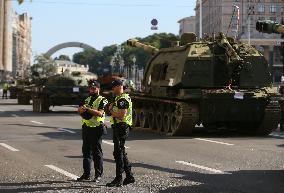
x=159 y=122
x=44 y=104
x=23 y=99
x=36 y=106
x=135 y=117
x=144 y=118
x=151 y=120
x=184 y=119
x=175 y=123
x=176 y=118
x=167 y=122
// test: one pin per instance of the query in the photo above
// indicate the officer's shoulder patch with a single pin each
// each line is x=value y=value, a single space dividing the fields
x=105 y=101
x=122 y=103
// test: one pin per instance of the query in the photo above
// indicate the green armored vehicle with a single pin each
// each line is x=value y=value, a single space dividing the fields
x=21 y=91
x=66 y=89
x=215 y=82
x=269 y=27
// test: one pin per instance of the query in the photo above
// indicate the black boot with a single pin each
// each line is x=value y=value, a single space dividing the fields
x=128 y=180
x=84 y=177
x=117 y=182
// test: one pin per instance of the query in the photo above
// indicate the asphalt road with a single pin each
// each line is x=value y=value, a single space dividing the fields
x=42 y=153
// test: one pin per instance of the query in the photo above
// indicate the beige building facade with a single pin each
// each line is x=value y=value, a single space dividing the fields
x=186 y=24
x=5 y=39
x=222 y=16
x=22 y=50
x=64 y=65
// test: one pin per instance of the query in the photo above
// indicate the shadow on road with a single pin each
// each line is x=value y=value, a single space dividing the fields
x=281 y=145
x=250 y=181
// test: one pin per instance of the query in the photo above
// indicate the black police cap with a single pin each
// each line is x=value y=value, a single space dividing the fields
x=94 y=83
x=116 y=82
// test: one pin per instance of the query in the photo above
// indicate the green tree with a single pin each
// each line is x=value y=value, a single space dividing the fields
x=63 y=57
x=43 y=66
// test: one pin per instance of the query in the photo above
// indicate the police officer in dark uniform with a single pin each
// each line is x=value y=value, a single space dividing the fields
x=121 y=121
x=92 y=112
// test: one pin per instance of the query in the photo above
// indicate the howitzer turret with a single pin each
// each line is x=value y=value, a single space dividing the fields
x=135 y=43
x=269 y=27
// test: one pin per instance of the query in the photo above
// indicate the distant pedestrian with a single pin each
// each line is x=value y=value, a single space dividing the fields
x=5 y=90
x=93 y=116
x=121 y=121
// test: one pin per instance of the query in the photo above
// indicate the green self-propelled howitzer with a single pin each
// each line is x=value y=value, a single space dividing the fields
x=216 y=82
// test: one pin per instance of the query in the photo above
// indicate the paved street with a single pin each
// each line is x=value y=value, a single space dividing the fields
x=42 y=153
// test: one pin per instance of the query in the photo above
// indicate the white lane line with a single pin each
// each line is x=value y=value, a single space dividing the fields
x=74 y=177
x=218 y=142
x=110 y=143
x=36 y=122
x=1 y=110
x=8 y=147
x=200 y=167
x=66 y=130
x=14 y=115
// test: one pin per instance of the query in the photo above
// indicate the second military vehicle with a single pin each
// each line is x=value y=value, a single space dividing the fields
x=216 y=82
x=69 y=88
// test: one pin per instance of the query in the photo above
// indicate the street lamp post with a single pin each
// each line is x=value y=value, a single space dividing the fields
x=200 y=19
x=134 y=68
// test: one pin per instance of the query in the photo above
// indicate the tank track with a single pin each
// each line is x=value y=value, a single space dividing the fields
x=271 y=118
x=166 y=117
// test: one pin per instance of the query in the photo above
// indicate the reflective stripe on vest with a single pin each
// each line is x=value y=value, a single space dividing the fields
x=128 y=117
x=95 y=120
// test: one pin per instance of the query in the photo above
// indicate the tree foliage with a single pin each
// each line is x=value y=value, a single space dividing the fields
x=43 y=66
x=63 y=57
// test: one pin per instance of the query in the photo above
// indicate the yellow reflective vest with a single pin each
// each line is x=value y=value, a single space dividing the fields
x=128 y=117
x=95 y=120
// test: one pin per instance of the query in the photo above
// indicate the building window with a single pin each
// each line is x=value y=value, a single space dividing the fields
x=273 y=8
x=273 y=19
x=261 y=18
x=261 y=8
x=282 y=9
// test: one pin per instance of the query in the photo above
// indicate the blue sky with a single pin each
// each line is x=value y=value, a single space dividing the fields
x=99 y=22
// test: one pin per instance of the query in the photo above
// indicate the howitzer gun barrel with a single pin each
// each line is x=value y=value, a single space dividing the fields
x=135 y=43
x=269 y=27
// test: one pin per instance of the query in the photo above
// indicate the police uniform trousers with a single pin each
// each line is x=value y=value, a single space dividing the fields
x=120 y=133
x=4 y=95
x=92 y=149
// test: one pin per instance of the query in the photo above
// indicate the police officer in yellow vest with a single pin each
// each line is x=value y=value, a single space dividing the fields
x=92 y=112
x=121 y=121
x=5 y=90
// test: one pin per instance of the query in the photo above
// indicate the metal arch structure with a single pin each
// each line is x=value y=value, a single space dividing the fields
x=67 y=45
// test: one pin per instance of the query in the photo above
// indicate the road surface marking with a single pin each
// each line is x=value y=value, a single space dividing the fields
x=207 y=140
x=8 y=147
x=1 y=110
x=200 y=167
x=36 y=122
x=14 y=115
x=74 y=177
x=110 y=143
x=62 y=129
